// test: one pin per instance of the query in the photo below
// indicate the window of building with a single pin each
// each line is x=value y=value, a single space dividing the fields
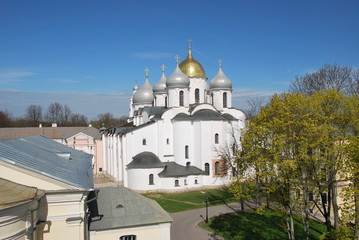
x=196 y=95
x=310 y=196
x=128 y=237
x=168 y=141
x=234 y=149
x=196 y=181
x=224 y=99
x=144 y=142
x=181 y=99
x=186 y=152
x=216 y=168
x=165 y=101
x=150 y=180
x=324 y=198
x=212 y=98
x=185 y=182
x=176 y=183
x=216 y=138
x=206 y=168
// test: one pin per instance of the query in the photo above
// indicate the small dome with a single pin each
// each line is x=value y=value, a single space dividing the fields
x=220 y=81
x=191 y=67
x=177 y=79
x=160 y=86
x=144 y=95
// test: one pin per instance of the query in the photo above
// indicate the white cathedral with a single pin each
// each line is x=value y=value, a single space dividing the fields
x=175 y=133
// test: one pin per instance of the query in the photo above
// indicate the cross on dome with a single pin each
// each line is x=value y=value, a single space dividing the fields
x=163 y=67
x=220 y=63
x=147 y=70
x=177 y=58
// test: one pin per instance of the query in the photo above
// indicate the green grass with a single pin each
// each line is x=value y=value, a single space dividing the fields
x=251 y=226
x=177 y=202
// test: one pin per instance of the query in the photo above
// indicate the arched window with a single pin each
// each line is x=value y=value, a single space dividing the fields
x=188 y=164
x=186 y=152
x=206 y=168
x=181 y=99
x=216 y=138
x=216 y=168
x=196 y=181
x=224 y=99
x=144 y=141
x=196 y=95
x=176 y=183
x=150 y=180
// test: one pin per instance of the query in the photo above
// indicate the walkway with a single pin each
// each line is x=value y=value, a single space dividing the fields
x=184 y=224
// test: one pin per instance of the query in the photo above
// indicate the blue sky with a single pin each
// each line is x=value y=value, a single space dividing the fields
x=88 y=54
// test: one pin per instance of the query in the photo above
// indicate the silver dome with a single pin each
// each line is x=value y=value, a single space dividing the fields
x=160 y=86
x=220 y=81
x=144 y=95
x=178 y=79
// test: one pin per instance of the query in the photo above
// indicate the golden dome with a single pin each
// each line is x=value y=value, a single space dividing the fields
x=191 y=67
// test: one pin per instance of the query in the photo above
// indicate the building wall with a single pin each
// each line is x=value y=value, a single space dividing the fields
x=150 y=232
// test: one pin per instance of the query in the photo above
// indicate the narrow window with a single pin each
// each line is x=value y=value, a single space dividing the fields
x=212 y=98
x=324 y=198
x=216 y=168
x=128 y=237
x=181 y=102
x=185 y=182
x=206 y=168
x=310 y=196
x=186 y=152
x=168 y=141
x=144 y=142
x=196 y=95
x=150 y=179
x=165 y=101
x=196 y=181
x=224 y=99
x=234 y=150
x=176 y=183
x=216 y=138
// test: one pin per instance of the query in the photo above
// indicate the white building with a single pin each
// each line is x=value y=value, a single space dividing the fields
x=175 y=131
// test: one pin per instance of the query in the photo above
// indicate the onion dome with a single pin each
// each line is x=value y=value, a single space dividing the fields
x=144 y=95
x=191 y=67
x=160 y=86
x=220 y=81
x=178 y=79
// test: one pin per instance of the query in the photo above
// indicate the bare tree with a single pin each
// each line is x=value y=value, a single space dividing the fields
x=334 y=77
x=66 y=115
x=54 y=113
x=78 y=120
x=5 y=119
x=34 y=114
x=255 y=105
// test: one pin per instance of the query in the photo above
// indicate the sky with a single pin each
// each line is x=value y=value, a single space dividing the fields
x=89 y=54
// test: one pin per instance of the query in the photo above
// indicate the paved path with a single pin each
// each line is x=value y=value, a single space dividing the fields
x=184 y=226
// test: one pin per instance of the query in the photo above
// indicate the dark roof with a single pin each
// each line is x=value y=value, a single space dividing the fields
x=173 y=169
x=229 y=117
x=50 y=132
x=120 y=207
x=145 y=160
x=50 y=158
x=201 y=115
x=13 y=194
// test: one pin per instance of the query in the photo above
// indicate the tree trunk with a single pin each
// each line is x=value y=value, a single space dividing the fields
x=335 y=206
x=290 y=225
x=356 y=201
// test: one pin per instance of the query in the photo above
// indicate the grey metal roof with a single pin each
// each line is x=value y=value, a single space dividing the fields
x=201 y=115
x=155 y=111
x=13 y=194
x=50 y=132
x=48 y=157
x=220 y=81
x=120 y=207
x=173 y=169
x=143 y=95
x=145 y=160
x=229 y=117
x=182 y=117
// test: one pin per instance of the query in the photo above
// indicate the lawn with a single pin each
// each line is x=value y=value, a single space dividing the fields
x=251 y=226
x=176 y=202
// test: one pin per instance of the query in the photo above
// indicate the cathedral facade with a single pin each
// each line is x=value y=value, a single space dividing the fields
x=178 y=130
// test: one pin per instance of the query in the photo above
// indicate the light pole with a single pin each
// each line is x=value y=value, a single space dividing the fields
x=206 y=209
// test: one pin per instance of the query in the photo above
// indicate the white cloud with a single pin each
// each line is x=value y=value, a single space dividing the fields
x=152 y=55
x=241 y=96
x=15 y=74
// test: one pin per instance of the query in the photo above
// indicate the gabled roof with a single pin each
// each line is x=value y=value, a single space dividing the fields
x=13 y=194
x=50 y=158
x=50 y=132
x=120 y=207
x=173 y=169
